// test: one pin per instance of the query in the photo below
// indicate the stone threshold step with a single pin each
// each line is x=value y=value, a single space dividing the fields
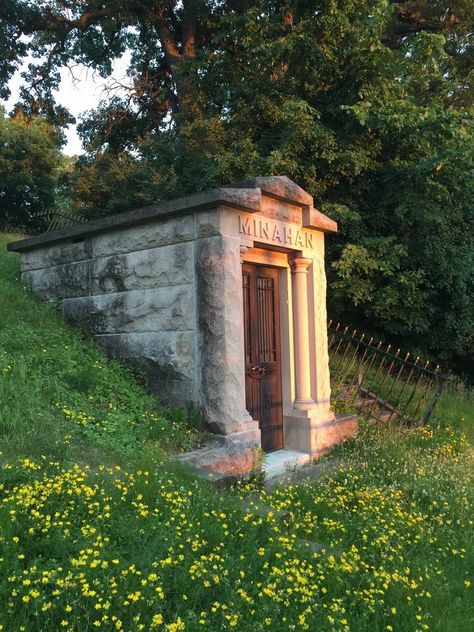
x=298 y=470
x=283 y=462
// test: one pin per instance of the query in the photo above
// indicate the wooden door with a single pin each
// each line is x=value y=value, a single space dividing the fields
x=262 y=352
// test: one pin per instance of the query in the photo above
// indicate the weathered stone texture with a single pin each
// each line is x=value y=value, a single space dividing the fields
x=62 y=281
x=228 y=461
x=233 y=454
x=175 y=392
x=165 y=355
x=158 y=309
x=56 y=255
x=157 y=267
x=282 y=211
x=279 y=187
x=318 y=334
x=219 y=296
x=312 y=218
x=208 y=223
x=166 y=358
x=132 y=239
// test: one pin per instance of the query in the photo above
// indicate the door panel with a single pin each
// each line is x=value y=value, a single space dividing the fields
x=262 y=352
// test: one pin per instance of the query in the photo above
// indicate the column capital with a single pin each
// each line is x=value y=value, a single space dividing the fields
x=300 y=264
x=243 y=252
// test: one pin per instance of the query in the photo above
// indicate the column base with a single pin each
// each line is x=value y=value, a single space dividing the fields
x=316 y=435
x=304 y=404
x=234 y=454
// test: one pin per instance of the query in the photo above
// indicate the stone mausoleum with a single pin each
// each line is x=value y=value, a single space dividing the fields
x=221 y=297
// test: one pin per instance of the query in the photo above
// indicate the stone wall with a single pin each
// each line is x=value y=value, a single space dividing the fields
x=162 y=287
x=133 y=290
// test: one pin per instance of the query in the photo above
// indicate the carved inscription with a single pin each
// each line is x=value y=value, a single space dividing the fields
x=275 y=232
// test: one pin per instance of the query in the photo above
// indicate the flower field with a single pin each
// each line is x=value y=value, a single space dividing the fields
x=98 y=531
x=134 y=549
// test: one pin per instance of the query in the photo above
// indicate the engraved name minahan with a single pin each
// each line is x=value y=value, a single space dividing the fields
x=263 y=229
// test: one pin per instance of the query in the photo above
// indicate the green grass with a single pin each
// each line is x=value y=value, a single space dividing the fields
x=60 y=396
x=99 y=531
x=397 y=517
x=455 y=409
x=412 y=396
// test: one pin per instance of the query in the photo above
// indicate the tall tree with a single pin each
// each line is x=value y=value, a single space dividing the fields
x=367 y=105
x=173 y=41
x=30 y=159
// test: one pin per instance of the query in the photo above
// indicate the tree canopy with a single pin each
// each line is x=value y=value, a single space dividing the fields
x=30 y=160
x=368 y=105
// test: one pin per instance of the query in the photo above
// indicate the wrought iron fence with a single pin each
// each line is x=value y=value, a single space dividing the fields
x=54 y=220
x=367 y=377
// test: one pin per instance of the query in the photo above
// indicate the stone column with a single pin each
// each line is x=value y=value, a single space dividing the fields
x=221 y=339
x=299 y=270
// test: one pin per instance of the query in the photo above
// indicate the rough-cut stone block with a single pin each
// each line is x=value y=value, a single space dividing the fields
x=281 y=211
x=163 y=356
x=174 y=392
x=234 y=454
x=317 y=435
x=169 y=231
x=55 y=255
x=158 y=309
x=208 y=223
x=219 y=296
x=235 y=464
x=63 y=281
x=166 y=266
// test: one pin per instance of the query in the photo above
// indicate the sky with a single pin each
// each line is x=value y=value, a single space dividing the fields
x=78 y=92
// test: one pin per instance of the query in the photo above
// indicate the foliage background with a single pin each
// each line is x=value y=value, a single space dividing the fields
x=366 y=105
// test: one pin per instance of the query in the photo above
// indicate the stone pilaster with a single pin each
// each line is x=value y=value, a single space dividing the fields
x=221 y=338
x=299 y=271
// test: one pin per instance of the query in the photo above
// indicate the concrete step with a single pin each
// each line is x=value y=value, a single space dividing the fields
x=282 y=462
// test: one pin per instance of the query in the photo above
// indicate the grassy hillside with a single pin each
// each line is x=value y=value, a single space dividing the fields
x=99 y=532
x=456 y=410
x=61 y=397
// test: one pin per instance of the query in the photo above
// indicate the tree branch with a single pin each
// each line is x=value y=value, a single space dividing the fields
x=189 y=29
x=411 y=21
x=166 y=36
x=92 y=16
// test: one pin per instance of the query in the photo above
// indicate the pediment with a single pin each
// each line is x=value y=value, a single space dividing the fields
x=294 y=204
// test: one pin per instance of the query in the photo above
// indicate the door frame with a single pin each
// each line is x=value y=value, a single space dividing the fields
x=280 y=260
